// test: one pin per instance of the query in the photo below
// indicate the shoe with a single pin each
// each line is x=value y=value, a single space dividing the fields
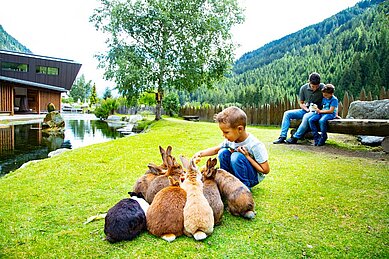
x=292 y=140
x=280 y=140
x=321 y=141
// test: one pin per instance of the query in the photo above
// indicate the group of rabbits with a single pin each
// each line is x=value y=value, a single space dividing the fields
x=171 y=199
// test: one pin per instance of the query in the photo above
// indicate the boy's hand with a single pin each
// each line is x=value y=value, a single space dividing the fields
x=243 y=150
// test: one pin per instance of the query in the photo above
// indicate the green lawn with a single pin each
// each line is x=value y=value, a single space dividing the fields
x=310 y=205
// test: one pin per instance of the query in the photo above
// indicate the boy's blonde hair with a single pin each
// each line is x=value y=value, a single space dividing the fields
x=233 y=116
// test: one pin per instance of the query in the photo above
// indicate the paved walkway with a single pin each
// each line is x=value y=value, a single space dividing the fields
x=21 y=117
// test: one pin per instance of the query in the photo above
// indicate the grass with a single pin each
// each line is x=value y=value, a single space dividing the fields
x=308 y=206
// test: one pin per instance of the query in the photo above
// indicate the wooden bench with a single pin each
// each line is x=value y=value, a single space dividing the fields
x=368 y=127
x=191 y=117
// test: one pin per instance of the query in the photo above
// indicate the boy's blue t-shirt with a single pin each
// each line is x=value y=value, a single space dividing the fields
x=327 y=103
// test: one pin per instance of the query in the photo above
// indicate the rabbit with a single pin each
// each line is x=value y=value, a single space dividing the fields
x=174 y=169
x=211 y=191
x=142 y=184
x=165 y=216
x=127 y=219
x=239 y=199
x=198 y=214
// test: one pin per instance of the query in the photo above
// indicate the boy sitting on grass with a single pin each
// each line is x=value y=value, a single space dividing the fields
x=329 y=111
x=241 y=153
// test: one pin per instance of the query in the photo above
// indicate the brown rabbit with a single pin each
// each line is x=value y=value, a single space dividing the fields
x=239 y=199
x=165 y=216
x=173 y=169
x=198 y=214
x=143 y=183
x=211 y=191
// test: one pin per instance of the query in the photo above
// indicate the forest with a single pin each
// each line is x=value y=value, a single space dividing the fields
x=8 y=42
x=350 y=50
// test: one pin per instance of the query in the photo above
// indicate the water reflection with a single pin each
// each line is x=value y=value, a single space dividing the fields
x=22 y=143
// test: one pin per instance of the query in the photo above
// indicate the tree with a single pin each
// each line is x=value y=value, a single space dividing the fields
x=93 y=96
x=157 y=45
x=81 y=89
x=171 y=104
x=107 y=93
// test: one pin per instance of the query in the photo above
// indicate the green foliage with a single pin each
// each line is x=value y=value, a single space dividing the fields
x=320 y=205
x=171 y=104
x=166 y=44
x=147 y=99
x=93 y=97
x=106 y=108
x=81 y=89
x=107 y=93
x=7 y=42
x=349 y=50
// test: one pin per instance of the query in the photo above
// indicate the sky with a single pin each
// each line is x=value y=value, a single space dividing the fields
x=61 y=28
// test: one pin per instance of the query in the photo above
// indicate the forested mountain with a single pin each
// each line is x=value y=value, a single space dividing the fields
x=7 y=42
x=349 y=50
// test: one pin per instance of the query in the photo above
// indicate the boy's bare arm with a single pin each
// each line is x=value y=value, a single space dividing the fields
x=261 y=167
x=207 y=152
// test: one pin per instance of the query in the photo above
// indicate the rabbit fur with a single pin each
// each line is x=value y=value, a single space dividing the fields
x=127 y=219
x=239 y=199
x=211 y=191
x=165 y=216
x=174 y=169
x=143 y=183
x=198 y=214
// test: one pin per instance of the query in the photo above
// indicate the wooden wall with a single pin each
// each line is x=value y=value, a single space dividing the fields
x=6 y=98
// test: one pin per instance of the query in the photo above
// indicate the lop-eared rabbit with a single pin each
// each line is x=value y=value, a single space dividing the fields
x=174 y=170
x=143 y=183
x=198 y=214
x=165 y=216
x=239 y=199
x=127 y=219
x=211 y=191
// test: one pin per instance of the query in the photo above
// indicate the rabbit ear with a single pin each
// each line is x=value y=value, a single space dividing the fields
x=214 y=162
x=154 y=169
x=173 y=182
x=185 y=162
x=169 y=150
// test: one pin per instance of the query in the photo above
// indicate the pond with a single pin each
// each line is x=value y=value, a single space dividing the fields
x=26 y=142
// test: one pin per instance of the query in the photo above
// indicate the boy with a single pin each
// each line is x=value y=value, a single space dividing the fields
x=329 y=111
x=240 y=153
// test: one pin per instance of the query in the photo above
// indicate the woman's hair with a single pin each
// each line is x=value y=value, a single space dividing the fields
x=328 y=88
x=233 y=116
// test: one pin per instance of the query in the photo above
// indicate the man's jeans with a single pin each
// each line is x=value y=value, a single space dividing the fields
x=296 y=114
x=237 y=164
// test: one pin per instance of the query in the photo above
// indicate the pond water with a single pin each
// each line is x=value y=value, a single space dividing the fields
x=26 y=142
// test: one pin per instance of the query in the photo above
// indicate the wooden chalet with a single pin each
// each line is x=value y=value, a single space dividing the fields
x=29 y=82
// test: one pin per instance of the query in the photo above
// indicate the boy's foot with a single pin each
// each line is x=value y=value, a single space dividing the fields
x=292 y=140
x=321 y=141
x=280 y=140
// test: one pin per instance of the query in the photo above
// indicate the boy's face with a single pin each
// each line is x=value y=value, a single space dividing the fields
x=231 y=134
x=327 y=95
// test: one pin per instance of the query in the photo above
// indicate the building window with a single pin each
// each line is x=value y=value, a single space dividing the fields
x=10 y=66
x=47 y=70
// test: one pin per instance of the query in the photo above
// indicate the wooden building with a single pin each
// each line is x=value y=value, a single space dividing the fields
x=29 y=82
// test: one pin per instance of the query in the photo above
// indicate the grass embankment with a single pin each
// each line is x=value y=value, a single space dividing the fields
x=309 y=205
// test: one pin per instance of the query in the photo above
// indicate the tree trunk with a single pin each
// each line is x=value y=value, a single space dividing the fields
x=158 y=108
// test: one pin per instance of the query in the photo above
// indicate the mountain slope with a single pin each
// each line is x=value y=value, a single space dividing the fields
x=7 y=42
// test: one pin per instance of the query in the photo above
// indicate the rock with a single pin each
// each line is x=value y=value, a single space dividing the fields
x=372 y=141
x=378 y=109
x=53 y=122
x=135 y=118
x=385 y=145
x=113 y=118
x=57 y=152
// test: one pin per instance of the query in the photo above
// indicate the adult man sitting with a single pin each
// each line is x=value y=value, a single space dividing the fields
x=309 y=93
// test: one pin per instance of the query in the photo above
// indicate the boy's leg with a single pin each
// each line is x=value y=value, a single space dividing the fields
x=224 y=156
x=312 y=124
x=323 y=127
x=243 y=170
